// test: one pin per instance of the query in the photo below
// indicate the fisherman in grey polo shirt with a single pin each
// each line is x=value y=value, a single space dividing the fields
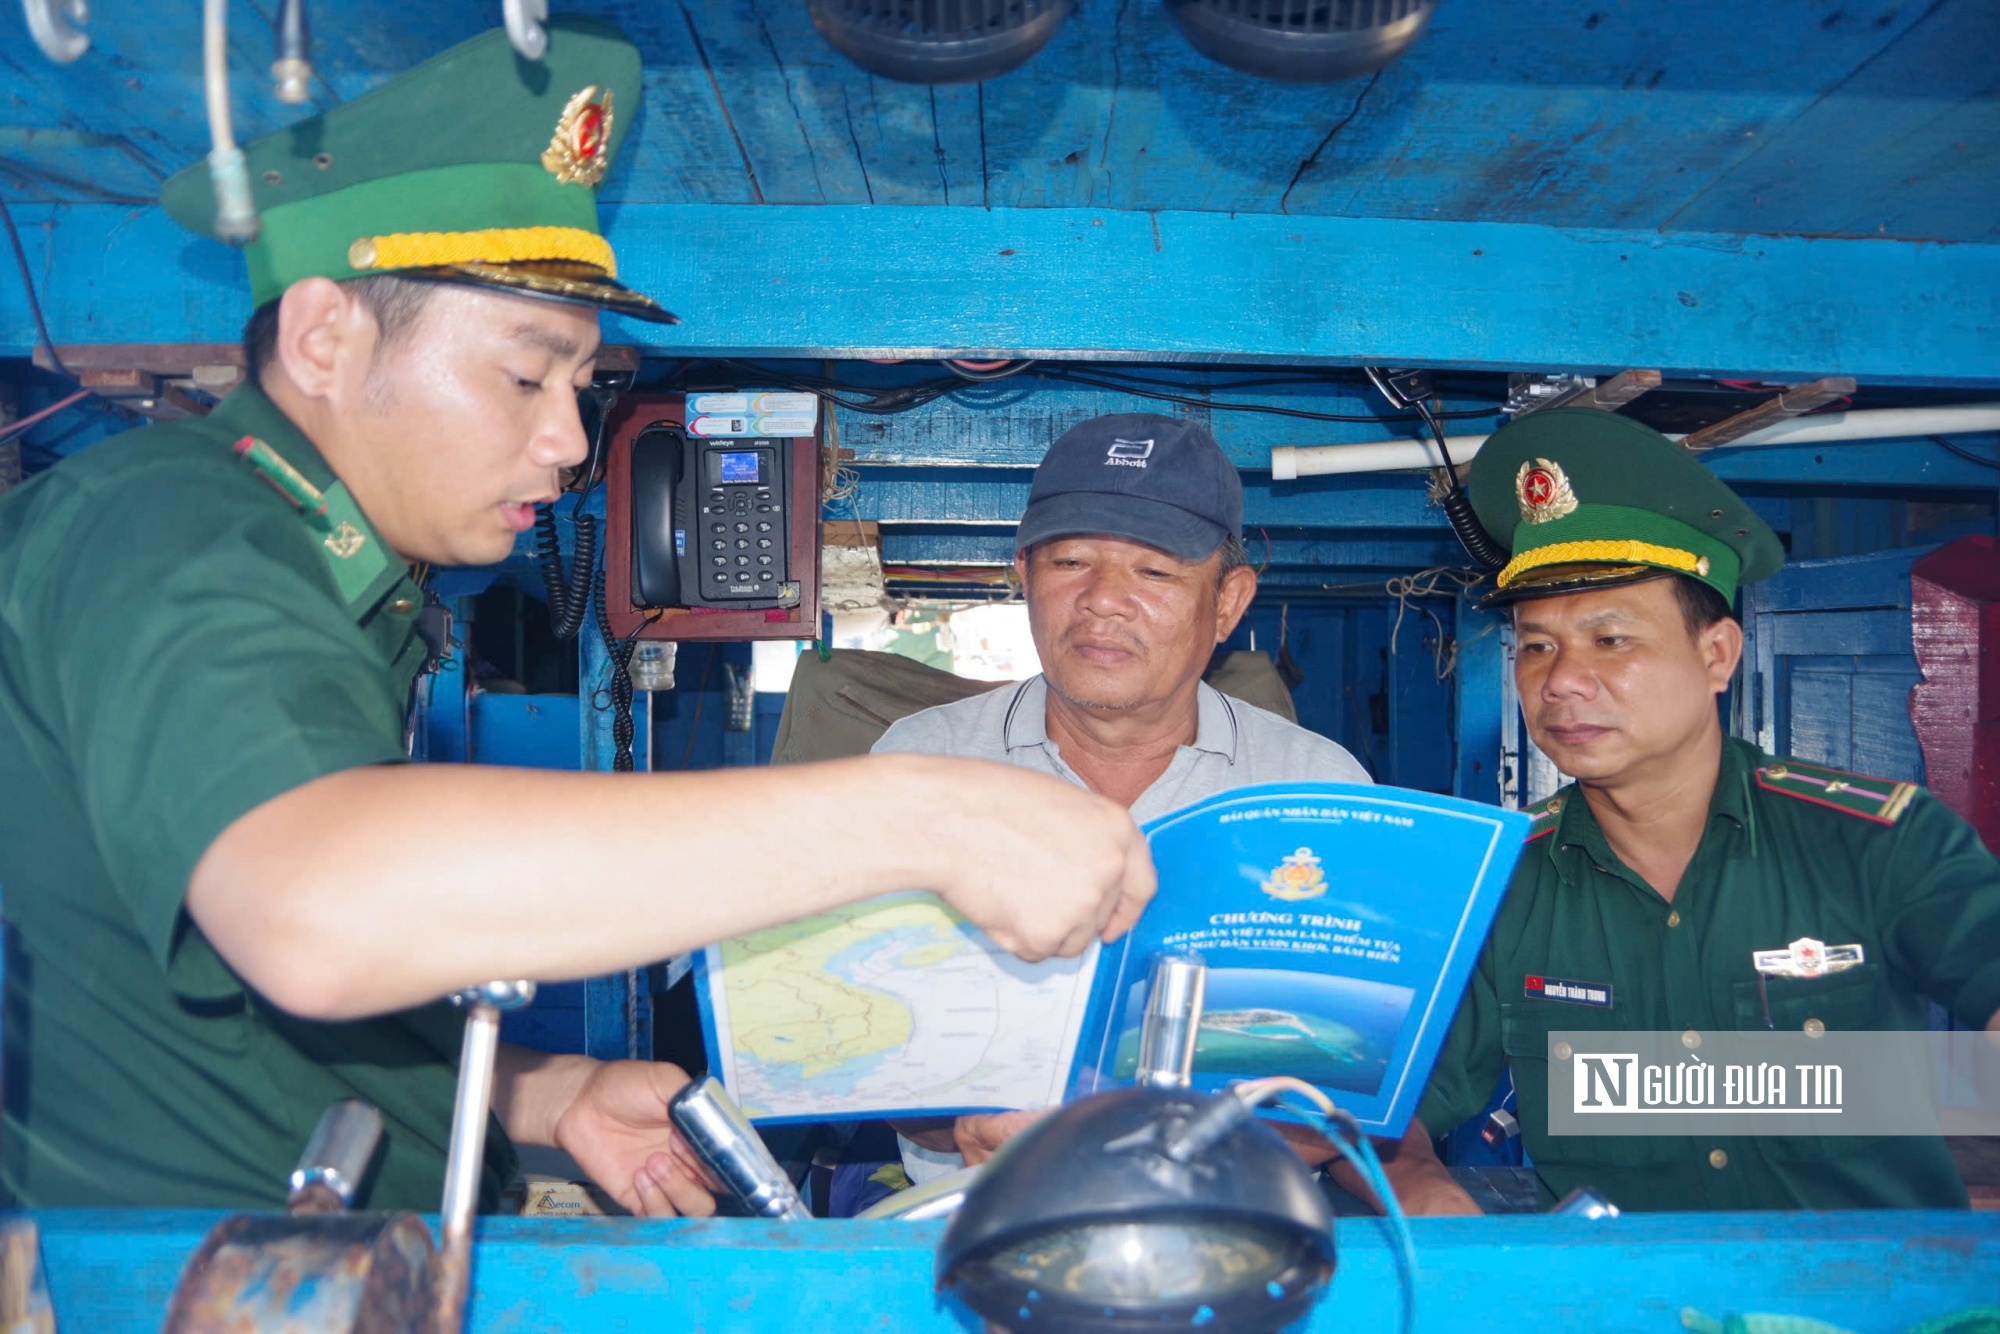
x=1131 y=558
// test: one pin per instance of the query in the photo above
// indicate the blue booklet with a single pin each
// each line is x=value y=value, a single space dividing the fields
x=1338 y=924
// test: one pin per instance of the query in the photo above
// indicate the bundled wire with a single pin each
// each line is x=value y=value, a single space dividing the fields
x=885 y=401
x=1347 y=1139
x=1447 y=489
x=1123 y=382
x=1439 y=581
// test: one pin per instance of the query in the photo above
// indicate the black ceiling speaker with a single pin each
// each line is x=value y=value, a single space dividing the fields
x=938 y=41
x=1302 y=41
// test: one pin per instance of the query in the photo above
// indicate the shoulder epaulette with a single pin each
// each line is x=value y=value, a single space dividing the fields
x=1546 y=812
x=360 y=568
x=1882 y=800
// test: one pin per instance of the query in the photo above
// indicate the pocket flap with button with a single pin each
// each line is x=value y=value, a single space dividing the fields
x=1854 y=998
x=1525 y=1026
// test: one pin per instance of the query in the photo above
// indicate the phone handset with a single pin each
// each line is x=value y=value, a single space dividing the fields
x=658 y=532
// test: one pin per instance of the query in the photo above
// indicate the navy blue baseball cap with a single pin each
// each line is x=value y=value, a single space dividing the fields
x=1139 y=475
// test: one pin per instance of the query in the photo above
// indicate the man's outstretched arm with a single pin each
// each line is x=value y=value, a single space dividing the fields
x=376 y=889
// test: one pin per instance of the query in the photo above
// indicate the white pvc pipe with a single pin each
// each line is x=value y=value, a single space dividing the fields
x=1289 y=462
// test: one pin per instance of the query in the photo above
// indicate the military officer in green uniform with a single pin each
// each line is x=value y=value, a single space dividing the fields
x=1649 y=885
x=229 y=901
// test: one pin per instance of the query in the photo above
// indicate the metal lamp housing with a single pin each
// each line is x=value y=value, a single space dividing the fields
x=938 y=41
x=1085 y=1221
x=1302 y=41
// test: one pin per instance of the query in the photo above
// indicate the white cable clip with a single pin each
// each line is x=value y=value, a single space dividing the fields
x=524 y=26
x=56 y=26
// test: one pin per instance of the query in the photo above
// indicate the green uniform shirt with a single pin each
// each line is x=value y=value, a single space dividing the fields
x=178 y=645
x=1920 y=895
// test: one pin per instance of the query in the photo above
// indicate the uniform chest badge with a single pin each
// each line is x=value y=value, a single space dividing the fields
x=346 y=541
x=1806 y=957
x=1543 y=491
x=577 y=154
x=1297 y=877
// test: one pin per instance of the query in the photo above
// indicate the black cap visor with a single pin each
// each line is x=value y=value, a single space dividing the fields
x=1554 y=580
x=555 y=280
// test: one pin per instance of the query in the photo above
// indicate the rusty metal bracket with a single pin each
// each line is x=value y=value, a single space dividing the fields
x=1791 y=402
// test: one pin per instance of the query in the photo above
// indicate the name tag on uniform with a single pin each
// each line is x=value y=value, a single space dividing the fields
x=1571 y=993
x=1806 y=957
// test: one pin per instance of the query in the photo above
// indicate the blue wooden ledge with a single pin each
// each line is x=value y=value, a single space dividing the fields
x=851 y=282
x=111 y=1271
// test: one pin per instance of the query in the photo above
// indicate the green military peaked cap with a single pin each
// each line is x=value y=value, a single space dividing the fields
x=478 y=166
x=1585 y=498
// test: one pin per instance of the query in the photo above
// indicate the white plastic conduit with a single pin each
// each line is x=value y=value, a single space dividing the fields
x=1289 y=462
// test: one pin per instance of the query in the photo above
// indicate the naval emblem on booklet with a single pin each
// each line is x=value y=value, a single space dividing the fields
x=1338 y=924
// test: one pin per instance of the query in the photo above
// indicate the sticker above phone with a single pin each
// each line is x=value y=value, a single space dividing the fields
x=754 y=413
x=1570 y=993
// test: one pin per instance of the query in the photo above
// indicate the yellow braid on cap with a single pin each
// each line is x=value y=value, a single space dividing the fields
x=494 y=245
x=1609 y=553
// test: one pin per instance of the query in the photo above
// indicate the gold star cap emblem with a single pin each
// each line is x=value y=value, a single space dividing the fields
x=1543 y=491
x=576 y=154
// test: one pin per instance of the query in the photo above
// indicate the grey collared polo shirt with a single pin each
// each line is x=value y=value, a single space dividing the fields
x=1235 y=745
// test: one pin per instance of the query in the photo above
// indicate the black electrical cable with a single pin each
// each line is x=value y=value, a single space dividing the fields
x=1005 y=372
x=1458 y=511
x=1116 y=381
x=28 y=282
x=1410 y=389
x=903 y=398
x=1964 y=453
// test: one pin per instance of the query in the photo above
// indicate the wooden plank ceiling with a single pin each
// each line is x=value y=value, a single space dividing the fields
x=1877 y=118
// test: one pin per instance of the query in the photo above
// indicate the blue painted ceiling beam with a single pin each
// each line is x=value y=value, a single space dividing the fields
x=849 y=283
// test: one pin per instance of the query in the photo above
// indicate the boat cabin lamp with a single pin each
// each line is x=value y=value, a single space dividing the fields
x=1139 y=1209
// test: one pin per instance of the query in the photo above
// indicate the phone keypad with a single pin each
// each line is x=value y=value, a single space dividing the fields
x=734 y=517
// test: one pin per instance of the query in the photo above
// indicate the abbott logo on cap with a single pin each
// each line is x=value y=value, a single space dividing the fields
x=1128 y=453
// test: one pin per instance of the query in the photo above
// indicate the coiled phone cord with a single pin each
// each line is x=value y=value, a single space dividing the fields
x=619 y=651
x=569 y=596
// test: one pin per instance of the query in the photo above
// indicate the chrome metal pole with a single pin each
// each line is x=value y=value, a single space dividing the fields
x=467 y=1159
x=1172 y=1022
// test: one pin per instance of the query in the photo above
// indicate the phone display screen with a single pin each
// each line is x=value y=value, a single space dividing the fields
x=738 y=466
